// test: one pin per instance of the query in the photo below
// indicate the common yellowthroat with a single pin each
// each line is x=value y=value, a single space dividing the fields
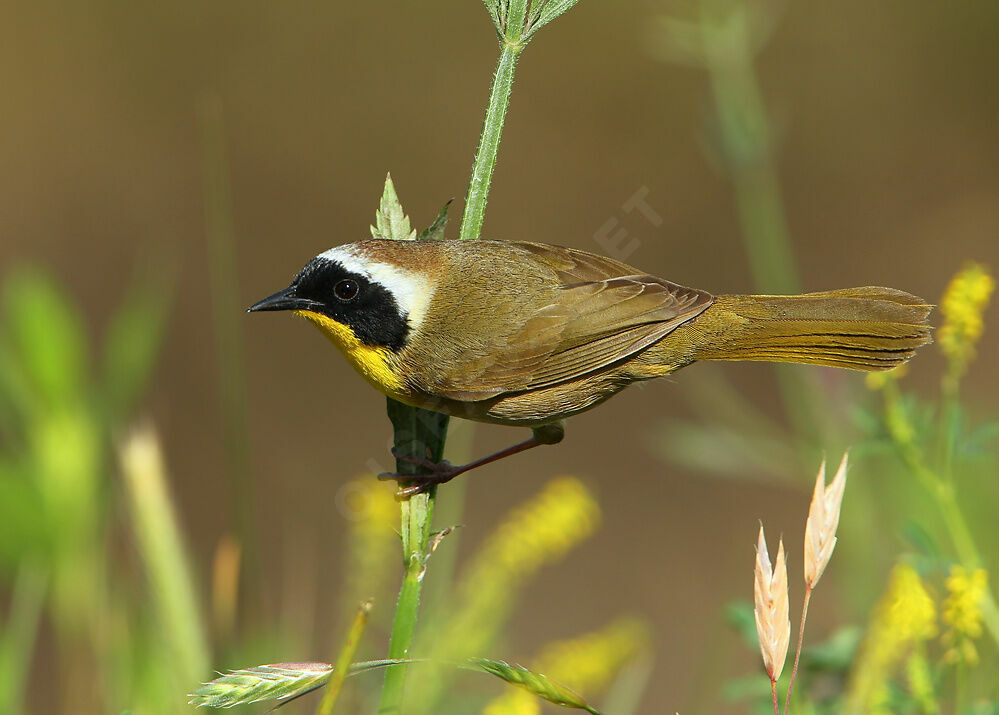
x=518 y=333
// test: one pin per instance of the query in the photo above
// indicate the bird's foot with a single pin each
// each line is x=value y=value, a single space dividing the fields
x=436 y=473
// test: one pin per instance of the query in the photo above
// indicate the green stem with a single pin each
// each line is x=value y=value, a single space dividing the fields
x=747 y=149
x=942 y=491
x=492 y=131
x=220 y=233
x=418 y=433
x=797 y=651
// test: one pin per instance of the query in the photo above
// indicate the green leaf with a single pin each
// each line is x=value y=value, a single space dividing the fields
x=19 y=635
x=417 y=433
x=45 y=335
x=493 y=8
x=390 y=220
x=866 y=419
x=723 y=450
x=835 y=654
x=978 y=440
x=435 y=231
x=747 y=688
x=22 y=513
x=548 y=12
x=133 y=340
x=915 y=535
x=541 y=685
x=739 y=615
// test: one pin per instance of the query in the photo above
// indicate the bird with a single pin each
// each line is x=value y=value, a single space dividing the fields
x=528 y=334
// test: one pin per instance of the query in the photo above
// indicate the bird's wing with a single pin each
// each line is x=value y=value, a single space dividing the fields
x=572 y=265
x=590 y=325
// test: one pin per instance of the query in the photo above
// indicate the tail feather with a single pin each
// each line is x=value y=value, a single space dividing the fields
x=858 y=328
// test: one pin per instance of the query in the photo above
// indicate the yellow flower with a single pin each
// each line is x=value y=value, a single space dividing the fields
x=514 y=702
x=586 y=664
x=962 y=612
x=903 y=618
x=964 y=302
x=539 y=532
x=372 y=516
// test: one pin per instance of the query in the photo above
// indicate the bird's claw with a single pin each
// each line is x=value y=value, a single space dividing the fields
x=437 y=473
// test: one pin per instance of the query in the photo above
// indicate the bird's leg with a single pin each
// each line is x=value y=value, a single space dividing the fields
x=443 y=472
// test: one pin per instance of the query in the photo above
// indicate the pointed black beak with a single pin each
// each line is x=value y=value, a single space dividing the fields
x=282 y=300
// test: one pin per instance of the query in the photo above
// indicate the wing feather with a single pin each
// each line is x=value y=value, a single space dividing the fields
x=592 y=324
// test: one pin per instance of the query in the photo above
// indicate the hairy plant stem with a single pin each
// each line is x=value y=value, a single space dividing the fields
x=422 y=433
x=492 y=131
x=797 y=651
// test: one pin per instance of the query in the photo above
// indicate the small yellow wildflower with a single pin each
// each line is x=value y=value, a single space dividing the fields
x=372 y=516
x=514 y=702
x=964 y=302
x=962 y=612
x=539 y=532
x=904 y=617
x=586 y=664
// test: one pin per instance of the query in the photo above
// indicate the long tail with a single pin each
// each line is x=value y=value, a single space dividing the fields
x=858 y=328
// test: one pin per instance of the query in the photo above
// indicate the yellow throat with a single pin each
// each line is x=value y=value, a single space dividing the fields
x=373 y=363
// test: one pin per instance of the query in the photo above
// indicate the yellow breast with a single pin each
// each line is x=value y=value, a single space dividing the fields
x=374 y=364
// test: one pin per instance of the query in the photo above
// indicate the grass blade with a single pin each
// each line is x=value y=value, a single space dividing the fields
x=162 y=551
x=341 y=669
x=541 y=685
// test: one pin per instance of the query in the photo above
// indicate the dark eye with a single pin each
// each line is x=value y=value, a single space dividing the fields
x=346 y=289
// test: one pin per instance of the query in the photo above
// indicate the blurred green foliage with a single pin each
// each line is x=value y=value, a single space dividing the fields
x=61 y=400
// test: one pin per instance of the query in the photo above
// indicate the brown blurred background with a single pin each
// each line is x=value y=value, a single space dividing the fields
x=886 y=115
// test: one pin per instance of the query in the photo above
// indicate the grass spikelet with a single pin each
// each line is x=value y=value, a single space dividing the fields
x=820 y=540
x=536 y=683
x=823 y=518
x=279 y=681
x=773 y=626
x=588 y=663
